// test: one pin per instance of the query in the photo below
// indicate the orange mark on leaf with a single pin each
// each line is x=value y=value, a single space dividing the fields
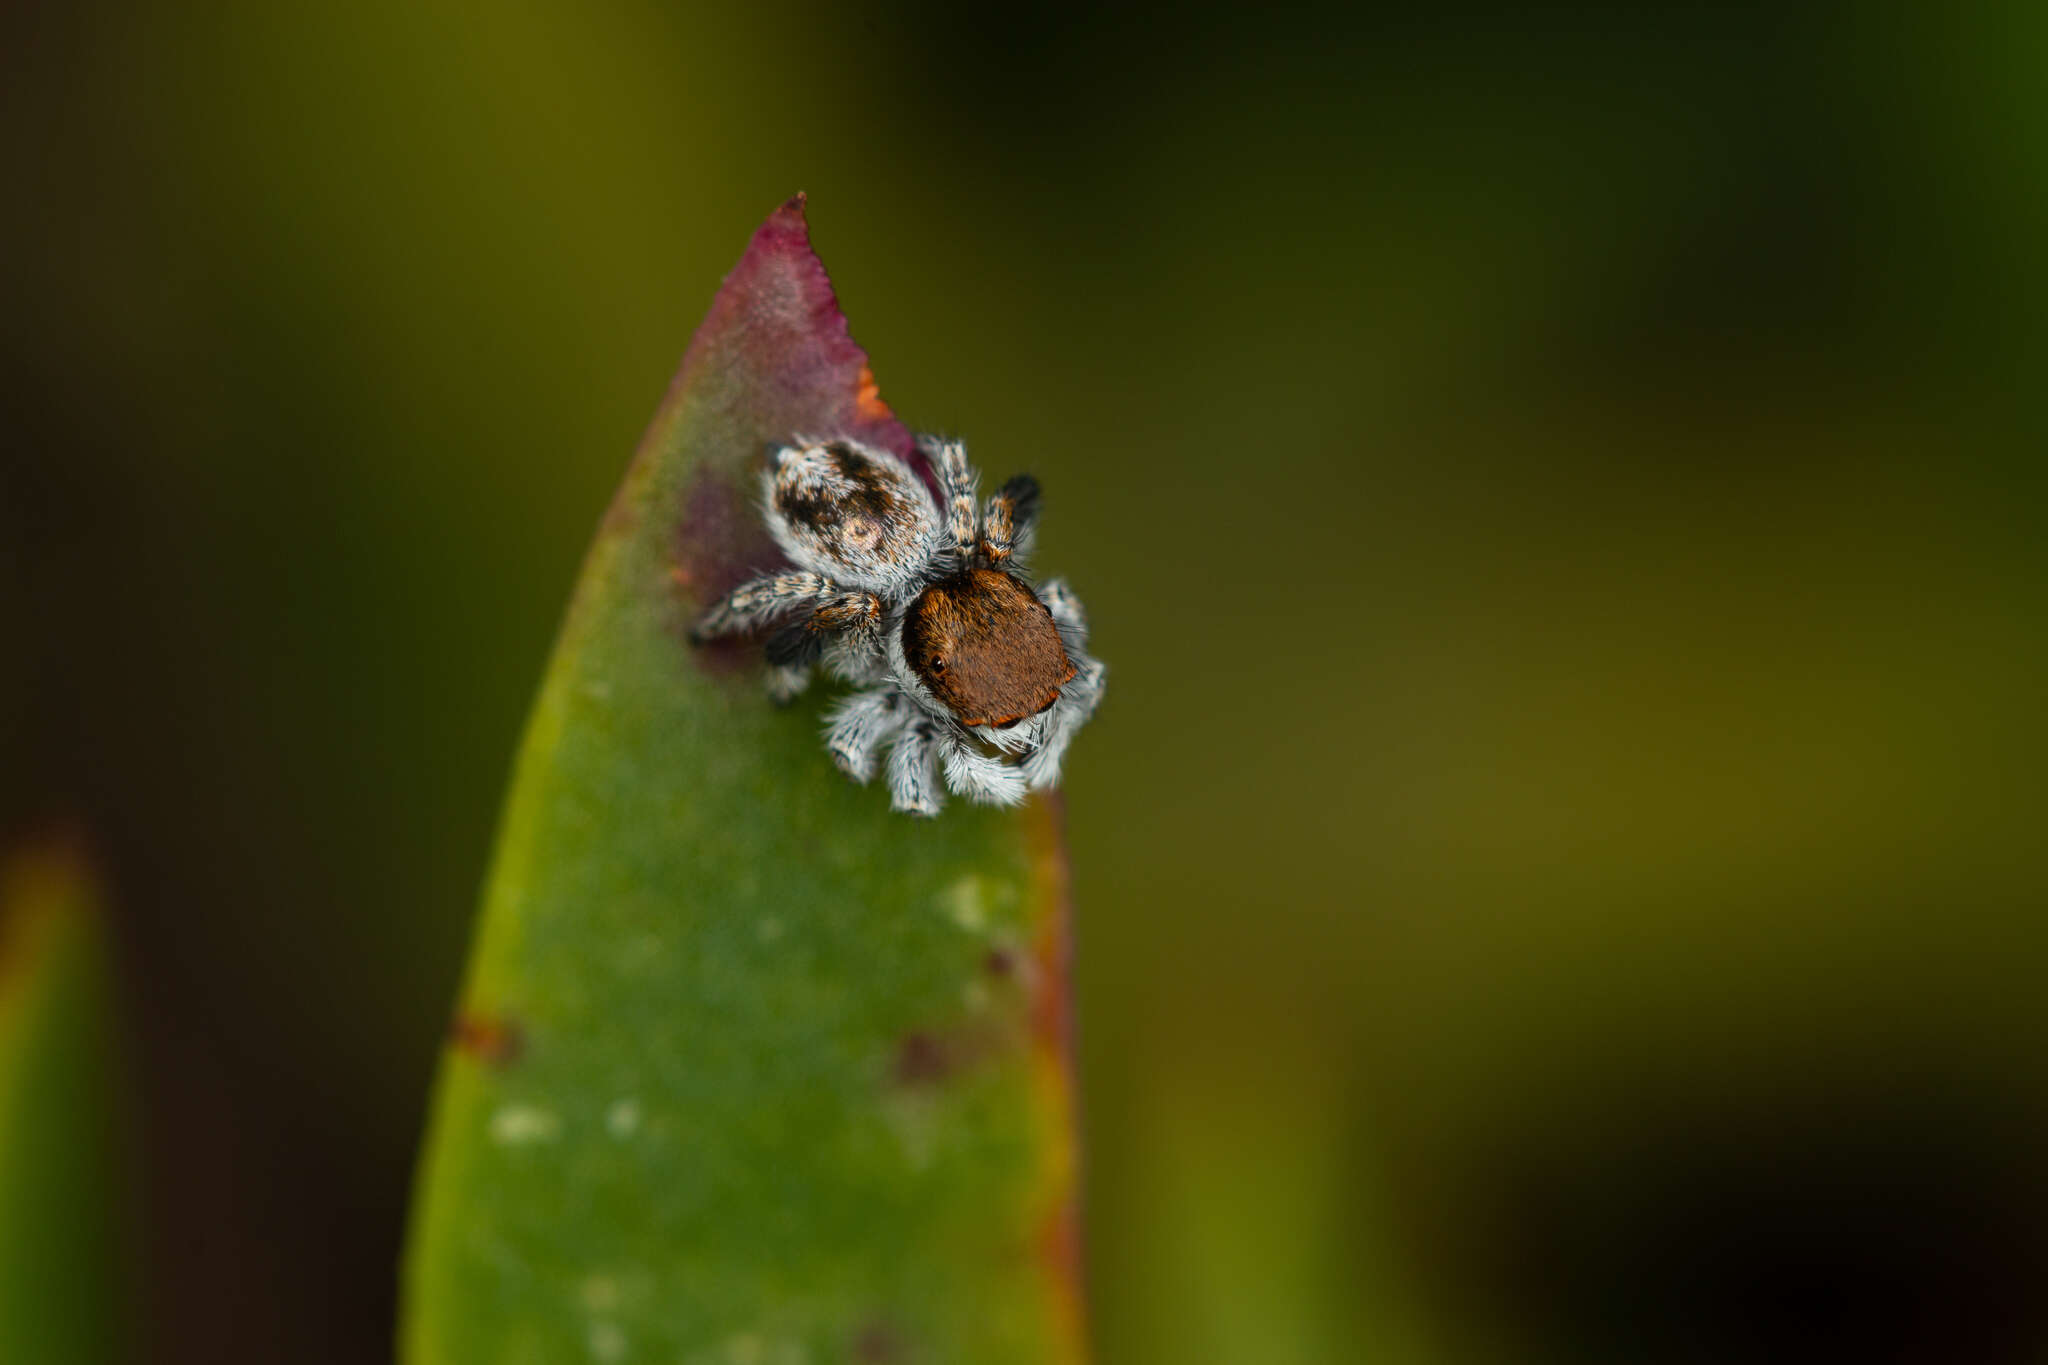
x=1059 y=1251
x=867 y=398
x=493 y=1041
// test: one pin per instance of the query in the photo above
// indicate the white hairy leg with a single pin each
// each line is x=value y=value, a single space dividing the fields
x=913 y=783
x=858 y=727
x=979 y=776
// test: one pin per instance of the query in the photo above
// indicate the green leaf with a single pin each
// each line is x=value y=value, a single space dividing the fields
x=748 y=1068
x=62 y=1295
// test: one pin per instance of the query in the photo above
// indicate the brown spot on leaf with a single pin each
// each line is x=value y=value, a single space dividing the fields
x=490 y=1039
x=926 y=1058
x=923 y=1059
x=878 y=1344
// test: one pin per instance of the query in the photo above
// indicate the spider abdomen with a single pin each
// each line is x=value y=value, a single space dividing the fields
x=986 y=647
x=857 y=515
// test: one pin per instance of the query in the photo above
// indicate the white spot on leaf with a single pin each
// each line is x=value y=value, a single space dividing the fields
x=607 y=1342
x=622 y=1120
x=519 y=1125
x=966 y=903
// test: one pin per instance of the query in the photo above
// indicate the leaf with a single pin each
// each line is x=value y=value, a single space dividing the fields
x=61 y=1255
x=747 y=1067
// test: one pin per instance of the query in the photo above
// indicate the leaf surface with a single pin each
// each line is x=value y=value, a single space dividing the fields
x=62 y=1286
x=747 y=1067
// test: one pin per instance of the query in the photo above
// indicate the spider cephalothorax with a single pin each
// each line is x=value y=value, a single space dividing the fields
x=986 y=647
x=962 y=664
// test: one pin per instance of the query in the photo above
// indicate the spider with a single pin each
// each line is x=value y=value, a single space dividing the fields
x=962 y=665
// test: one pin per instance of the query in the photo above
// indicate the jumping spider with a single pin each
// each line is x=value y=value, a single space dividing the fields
x=962 y=664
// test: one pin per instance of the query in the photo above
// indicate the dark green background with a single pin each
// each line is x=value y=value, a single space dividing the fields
x=1559 y=493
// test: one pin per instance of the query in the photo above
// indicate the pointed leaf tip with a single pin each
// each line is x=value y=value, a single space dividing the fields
x=773 y=360
x=778 y=347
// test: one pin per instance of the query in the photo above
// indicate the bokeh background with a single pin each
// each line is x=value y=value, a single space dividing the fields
x=1560 y=868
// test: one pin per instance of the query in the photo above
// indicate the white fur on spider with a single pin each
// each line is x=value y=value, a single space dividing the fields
x=872 y=550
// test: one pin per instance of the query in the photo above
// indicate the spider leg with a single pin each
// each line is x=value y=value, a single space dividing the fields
x=787 y=682
x=1078 y=700
x=854 y=617
x=913 y=785
x=758 y=600
x=1066 y=612
x=856 y=729
x=980 y=777
x=958 y=479
x=795 y=648
x=1007 y=520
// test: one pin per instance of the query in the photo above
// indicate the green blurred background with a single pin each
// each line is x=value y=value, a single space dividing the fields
x=1560 y=868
